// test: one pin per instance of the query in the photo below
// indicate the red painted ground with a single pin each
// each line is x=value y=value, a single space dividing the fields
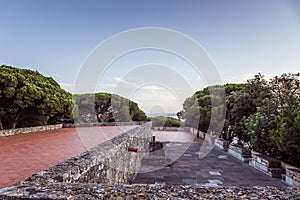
x=175 y=136
x=23 y=155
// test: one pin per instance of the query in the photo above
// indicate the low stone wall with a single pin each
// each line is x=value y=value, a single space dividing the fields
x=102 y=124
x=160 y=128
x=10 y=132
x=114 y=162
x=292 y=177
x=266 y=164
x=17 y=131
x=222 y=144
x=240 y=153
x=292 y=174
x=272 y=167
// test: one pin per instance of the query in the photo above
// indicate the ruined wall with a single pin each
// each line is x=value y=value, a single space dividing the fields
x=10 y=132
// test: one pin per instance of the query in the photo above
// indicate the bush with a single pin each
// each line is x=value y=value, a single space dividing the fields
x=163 y=121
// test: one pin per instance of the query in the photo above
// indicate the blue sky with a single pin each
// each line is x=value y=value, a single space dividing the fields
x=241 y=37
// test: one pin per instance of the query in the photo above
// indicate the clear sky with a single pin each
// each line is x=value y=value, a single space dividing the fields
x=242 y=37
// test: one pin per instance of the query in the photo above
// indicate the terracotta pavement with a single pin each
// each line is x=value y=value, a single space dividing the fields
x=23 y=155
x=175 y=136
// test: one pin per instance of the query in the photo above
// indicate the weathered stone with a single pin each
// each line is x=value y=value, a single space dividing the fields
x=40 y=129
x=266 y=164
x=222 y=144
x=240 y=153
x=292 y=177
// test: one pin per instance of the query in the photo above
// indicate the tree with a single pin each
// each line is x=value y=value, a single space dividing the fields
x=205 y=110
x=258 y=127
x=163 y=121
x=264 y=113
x=233 y=87
x=26 y=94
x=272 y=129
x=285 y=90
x=286 y=135
x=259 y=89
x=136 y=113
x=104 y=107
x=239 y=105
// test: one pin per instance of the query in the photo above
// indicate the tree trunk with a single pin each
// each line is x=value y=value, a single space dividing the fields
x=1 y=125
x=98 y=118
x=14 y=122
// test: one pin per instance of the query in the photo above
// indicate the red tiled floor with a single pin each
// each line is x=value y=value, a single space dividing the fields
x=23 y=155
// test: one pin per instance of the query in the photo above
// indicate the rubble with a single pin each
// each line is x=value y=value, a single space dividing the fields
x=100 y=191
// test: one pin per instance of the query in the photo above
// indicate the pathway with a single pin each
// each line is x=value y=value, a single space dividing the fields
x=180 y=164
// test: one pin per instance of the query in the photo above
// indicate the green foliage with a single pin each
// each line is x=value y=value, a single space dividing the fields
x=27 y=98
x=286 y=135
x=104 y=107
x=162 y=121
x=258 y=127
x=239 y=105
x=232 y=87
x=259 y=89
x=205 y=109
x=262 y=112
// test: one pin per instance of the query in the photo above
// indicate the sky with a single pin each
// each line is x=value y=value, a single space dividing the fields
x=241 y=38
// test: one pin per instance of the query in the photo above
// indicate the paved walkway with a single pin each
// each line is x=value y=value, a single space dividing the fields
x=180 y=164
x=23 y=155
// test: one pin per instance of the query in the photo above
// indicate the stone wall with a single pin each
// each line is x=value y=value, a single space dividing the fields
x=161 y=128
x=75 y=125
x=270 y=166
x=10 y=132
x=222 y=144
x=292 y=177
x=240 y=153
x=17 y=131
x=266 y=164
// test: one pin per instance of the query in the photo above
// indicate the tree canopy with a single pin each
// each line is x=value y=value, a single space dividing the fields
x=29 y=98
x=263 y=113
x=105 y=107
x=162 y=121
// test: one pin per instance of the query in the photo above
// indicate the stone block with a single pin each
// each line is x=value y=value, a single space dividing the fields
x=266 y=164
x=240 y=153
x=222 y=144
x=292 y=176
